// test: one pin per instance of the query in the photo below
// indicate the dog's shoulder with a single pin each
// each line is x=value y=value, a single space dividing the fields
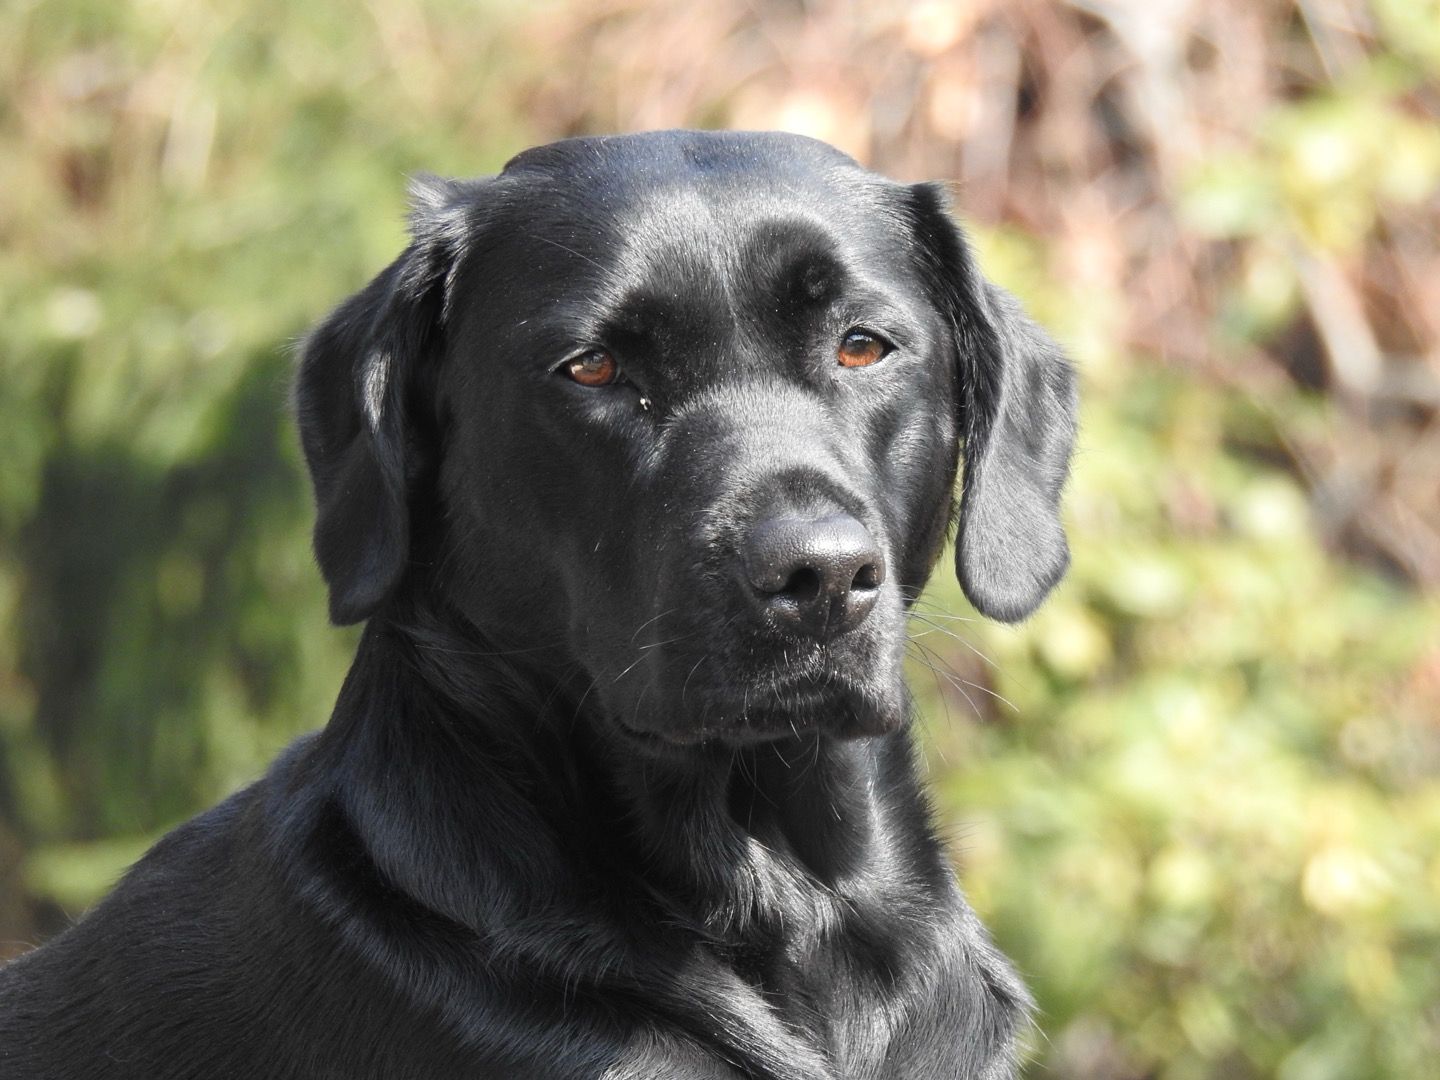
x=104 y=994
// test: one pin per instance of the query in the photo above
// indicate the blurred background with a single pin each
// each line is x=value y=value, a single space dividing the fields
x=1197 y=797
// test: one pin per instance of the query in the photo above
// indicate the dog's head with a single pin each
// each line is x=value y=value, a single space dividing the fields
x=687 y=407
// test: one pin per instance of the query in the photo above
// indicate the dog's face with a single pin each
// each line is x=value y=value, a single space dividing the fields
x=686 y=408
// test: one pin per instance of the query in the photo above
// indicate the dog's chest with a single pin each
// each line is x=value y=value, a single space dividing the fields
x=820 y=1002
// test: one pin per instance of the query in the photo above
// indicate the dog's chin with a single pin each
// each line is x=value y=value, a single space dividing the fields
x=769 y=709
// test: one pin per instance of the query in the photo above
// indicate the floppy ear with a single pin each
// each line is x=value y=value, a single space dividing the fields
x=354 y=399
x=1017 y=405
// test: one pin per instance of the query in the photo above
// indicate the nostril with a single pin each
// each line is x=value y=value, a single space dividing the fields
x=867 y=577
x=803 y=585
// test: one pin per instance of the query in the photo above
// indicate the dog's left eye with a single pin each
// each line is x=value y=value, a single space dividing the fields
x=860 y=348
x=594 y=368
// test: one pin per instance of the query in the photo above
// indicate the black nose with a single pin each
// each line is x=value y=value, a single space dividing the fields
x=818 y=577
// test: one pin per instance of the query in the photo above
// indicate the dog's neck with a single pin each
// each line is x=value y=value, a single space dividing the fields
x=437 y=730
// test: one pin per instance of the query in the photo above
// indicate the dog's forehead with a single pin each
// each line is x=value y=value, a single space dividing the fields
x=708 y=192
x=710 y=219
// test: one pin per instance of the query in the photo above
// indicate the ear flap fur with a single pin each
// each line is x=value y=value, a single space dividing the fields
x=353 y=399
x=1018 y=405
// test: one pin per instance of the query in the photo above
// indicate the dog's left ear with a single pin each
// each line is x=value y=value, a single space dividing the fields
x=1017 y=420
x=356 y=401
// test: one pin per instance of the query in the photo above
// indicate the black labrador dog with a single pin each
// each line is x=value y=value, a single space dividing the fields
x=633 y=461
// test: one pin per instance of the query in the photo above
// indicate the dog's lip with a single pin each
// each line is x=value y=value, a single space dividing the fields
x=654 y=740
x=800 y=702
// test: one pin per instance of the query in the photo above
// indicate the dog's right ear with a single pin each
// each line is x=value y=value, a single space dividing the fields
x=354 y=398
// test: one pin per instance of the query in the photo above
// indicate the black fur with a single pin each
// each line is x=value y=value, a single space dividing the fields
x=578 y=812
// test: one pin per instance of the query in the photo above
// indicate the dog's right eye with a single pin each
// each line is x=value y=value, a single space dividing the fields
x=594 y=368
x=861 y=348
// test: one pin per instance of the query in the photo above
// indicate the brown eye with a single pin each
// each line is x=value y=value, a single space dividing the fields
x=859 y=349
x=594 y=368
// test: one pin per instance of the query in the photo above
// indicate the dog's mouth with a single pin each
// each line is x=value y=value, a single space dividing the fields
x=785 y=700
x=836 y=705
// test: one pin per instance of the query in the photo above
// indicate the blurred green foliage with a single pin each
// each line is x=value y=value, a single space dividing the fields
x=1197 y=797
